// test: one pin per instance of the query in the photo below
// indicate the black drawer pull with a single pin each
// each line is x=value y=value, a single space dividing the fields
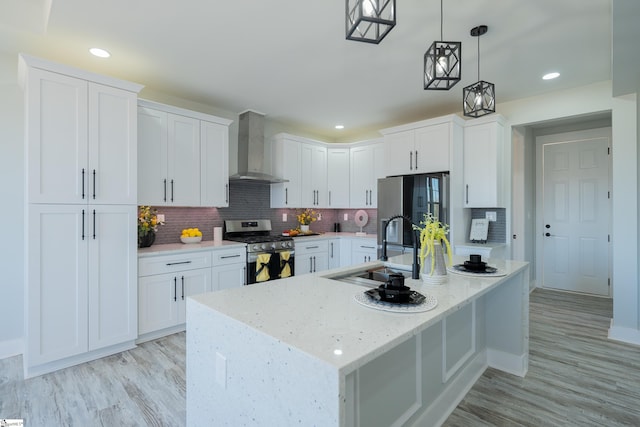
x=312 y=247
x=230 y=256
x=178 y=263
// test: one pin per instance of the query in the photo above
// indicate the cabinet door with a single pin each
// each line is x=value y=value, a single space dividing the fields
x=360 y=174
x=113 y=295
x=483 y=165
x=56 y=300
x=338 y=178
x=399 y=152
x=334 y=253
x=152 y=157
x=303 y=264
x=113 y=164
x=229 y=276
x=363 y=251
x=378 y=172
x=432 y=148
x=57 y=155
x=157 y=302
x=313 y=175
x=183 y=187
x=286 y=164
x=320 y=261
x=192 y=282
x=214 y=164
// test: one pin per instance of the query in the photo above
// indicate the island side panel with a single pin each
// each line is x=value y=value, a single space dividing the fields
x=507 y=325
x=266 y=381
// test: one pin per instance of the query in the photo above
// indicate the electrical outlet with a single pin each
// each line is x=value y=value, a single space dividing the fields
x=319 y=216
x=221 y=370
x=491 y=216
x=346 y=217
x=160 y=217
x=284 y=217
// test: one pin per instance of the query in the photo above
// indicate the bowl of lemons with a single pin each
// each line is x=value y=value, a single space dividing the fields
x=191 y=235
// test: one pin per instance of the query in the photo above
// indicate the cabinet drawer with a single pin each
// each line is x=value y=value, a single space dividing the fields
x=365 y=246
x=175 y=262
x=229 y=256
x=312 y=246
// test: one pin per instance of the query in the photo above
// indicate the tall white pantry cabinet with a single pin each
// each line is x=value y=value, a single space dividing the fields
x=81 y=251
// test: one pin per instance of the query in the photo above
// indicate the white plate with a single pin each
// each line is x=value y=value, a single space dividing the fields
x=430 y=302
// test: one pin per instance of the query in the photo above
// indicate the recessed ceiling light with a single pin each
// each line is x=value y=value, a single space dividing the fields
x=339 y=126
x=100 y=53
x=550 y=76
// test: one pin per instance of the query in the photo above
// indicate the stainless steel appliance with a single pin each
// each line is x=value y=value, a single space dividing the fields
x=411 y=196
x=269 y=256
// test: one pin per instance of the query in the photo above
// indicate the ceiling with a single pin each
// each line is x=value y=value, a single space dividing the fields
x=290 y=60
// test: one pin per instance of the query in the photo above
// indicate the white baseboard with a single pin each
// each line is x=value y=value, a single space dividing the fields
x=11 y=348
x=628 y=335
x=509 y=363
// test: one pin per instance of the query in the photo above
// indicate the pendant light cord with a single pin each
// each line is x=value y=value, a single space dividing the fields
x=441 y=36
x=478 y=56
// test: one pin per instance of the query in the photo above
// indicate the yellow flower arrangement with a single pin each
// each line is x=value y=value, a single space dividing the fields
x=307 y=216
x=432 y=231
x=147 y=220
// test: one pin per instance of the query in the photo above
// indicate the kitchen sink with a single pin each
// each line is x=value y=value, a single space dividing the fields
x=372 y=277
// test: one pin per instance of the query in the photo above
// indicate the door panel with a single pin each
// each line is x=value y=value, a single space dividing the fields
x=576 y=215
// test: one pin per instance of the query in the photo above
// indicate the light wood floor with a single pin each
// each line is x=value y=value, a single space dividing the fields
x=577 y=377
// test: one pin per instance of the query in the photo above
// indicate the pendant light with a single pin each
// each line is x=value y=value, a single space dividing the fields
x=479 y=99
x=442 y=63
x=369 y=21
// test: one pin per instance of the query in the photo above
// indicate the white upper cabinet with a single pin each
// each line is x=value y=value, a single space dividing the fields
x=183 y=157
x=366 y=166
x=214 y=164
x=421 y=147
x=484 y=163
x=286 y=164
x=338 y=178
x=313 y=175
x=81 y=140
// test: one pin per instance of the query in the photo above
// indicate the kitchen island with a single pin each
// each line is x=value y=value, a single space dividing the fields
x=303 y=351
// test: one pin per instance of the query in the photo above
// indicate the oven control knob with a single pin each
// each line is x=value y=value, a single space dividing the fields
x=256 y=247
x=263 y=247
x=273 y=245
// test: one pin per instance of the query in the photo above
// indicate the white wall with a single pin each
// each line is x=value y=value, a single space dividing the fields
x=12 y=210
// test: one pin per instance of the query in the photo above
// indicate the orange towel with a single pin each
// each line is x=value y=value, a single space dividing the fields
x=285 y=263
x=262 y=267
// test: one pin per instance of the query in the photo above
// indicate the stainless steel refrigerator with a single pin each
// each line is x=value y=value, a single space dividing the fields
x=411 y=196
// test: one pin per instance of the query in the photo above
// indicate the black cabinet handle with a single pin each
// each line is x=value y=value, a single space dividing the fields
x=310 y=265
x=314 y=264
x=416 y=159
x=175 y=289
x=410 y=160
x=226 y=192
x=467 y=194
x=94 y=184
x=82 y=183
x=165 y=190
x=82 y=224
x=286 y=196
x=94 y=224
x=547 y=234
x=230 y=256
x=171 y=191
x=244 y=276
x=183 y=288
x=329 y=197
x=331 y=249
x=178 y=263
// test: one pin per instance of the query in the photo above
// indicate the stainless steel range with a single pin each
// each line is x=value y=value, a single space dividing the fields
x=269 y=256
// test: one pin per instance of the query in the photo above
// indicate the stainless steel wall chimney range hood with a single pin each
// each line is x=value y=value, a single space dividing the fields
x=251 y=150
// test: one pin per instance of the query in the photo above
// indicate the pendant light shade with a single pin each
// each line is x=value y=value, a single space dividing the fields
x=442 y=63
x=479 y=99
x=369 y=21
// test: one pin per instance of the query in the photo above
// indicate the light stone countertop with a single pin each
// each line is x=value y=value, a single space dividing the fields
x=179 y=248
x=318 y=315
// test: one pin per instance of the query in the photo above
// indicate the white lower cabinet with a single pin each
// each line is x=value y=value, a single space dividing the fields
x=363 y=251
x=229 y=268
x=81 y=284
x=164 y=283
x=311 y=256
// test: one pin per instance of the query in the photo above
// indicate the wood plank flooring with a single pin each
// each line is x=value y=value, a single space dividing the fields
x=577 y=377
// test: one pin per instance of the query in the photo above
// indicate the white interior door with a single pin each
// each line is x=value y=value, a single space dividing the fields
x=575 y=223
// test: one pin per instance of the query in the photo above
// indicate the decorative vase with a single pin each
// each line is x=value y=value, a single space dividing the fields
x=439 y=273
x=304 y=228
x=146 y=240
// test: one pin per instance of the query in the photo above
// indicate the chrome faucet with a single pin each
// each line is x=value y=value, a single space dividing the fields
x=415 y=267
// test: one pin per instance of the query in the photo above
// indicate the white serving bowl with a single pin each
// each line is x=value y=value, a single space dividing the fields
x=190 y=239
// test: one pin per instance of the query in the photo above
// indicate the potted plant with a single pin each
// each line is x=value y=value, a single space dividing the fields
x=147 y=226
x=305 y=218
x=432 y=234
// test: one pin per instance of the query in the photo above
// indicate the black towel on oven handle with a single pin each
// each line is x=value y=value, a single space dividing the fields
x=274 y=266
